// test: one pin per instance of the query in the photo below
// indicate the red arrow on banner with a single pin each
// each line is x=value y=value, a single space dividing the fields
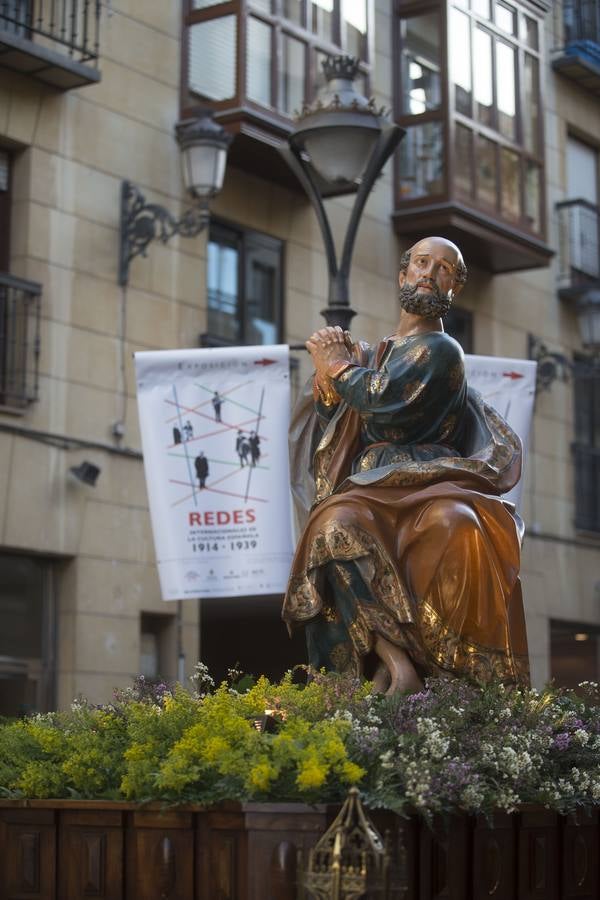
x=512 y=375
x=264 y=362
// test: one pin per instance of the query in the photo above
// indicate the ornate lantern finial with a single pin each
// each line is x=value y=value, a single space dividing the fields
x=350 y=859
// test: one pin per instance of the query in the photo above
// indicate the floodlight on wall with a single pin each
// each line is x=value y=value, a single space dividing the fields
x=203 y=145
x=86 y=472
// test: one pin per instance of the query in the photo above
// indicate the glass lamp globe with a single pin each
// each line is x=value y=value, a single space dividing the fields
x=204 y=145
x=588 y=313
x=340 y=129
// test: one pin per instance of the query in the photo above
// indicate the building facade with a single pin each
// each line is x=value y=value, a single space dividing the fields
x=500 y=104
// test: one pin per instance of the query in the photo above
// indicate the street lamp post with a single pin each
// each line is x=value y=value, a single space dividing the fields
x=340 y=145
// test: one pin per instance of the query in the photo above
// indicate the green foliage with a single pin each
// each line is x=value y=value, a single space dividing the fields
x=455 y=745
x=75 y=754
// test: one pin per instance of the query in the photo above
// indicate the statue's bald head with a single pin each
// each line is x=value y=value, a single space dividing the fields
x=432 y=274
x=441 y=246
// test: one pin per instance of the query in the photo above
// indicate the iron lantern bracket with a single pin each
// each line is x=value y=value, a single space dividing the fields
x=141 y=223
x=550 y=365
x=338 y=310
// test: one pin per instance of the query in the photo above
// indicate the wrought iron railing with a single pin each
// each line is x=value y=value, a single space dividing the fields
x=587 y=487
x=19 y=341
x=579 y=242
x=72 y=25
x=581 y=21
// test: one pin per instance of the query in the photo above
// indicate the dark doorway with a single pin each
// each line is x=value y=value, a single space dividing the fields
x=248 y=632
x=574 y=655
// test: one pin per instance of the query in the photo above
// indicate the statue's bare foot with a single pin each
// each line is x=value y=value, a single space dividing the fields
x=381 y=679
x=402 y=673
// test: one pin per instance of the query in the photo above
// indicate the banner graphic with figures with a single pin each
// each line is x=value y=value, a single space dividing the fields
x=509 y=386
x=214 y=429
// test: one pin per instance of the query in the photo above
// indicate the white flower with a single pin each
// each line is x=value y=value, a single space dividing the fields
x=387 y=759
x=581 y=736
x=471 y=797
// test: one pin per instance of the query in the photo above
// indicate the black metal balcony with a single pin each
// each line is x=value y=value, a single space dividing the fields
x=579 y=58
x=54 y=41
x=579 y=247
x=19 y=341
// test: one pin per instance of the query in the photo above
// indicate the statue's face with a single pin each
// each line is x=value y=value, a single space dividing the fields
x=428 y=286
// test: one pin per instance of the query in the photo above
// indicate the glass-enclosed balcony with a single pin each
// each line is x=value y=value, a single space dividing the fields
x=468 y=93
x=256 y=62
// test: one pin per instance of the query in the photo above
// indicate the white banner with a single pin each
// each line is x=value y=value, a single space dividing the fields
x=509 y=386
x=214 y=429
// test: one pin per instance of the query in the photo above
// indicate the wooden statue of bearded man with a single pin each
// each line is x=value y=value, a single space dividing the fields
x=409 y=560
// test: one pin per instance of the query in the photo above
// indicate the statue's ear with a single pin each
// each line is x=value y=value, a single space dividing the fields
x=456 y=289
x=401 y=278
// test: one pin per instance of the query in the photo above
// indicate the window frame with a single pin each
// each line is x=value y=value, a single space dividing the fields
x=238 y=236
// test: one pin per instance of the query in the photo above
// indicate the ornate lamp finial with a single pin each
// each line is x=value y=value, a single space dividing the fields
x=350 y=859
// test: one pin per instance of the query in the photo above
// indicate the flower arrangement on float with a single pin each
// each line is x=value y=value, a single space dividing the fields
x=455 y=746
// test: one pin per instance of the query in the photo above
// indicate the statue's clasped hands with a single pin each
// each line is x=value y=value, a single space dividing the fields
x=326 y=346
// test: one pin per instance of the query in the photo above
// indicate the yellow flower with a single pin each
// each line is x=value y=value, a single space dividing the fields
x=214 y=748
x=351 y=772
x=261 y=775
x=312 y=774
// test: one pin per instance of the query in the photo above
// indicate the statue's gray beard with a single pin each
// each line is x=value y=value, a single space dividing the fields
x=430 y=306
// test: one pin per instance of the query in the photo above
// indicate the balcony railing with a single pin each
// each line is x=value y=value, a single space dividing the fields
x=579 y=246
x=579 y=57
x=56 y=41
x=581 y=21
x=19 y=341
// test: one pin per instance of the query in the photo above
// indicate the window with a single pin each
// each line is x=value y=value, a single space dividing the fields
x=422 y=149
x=459 y=325
x=244 y=287
x=498 y=127
x=27 y=635
x=586 y=448
x=19 y=314
x=267 y=53
x=5 y=200
x=19 y=341
x=574 y=653
x=579 y=216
